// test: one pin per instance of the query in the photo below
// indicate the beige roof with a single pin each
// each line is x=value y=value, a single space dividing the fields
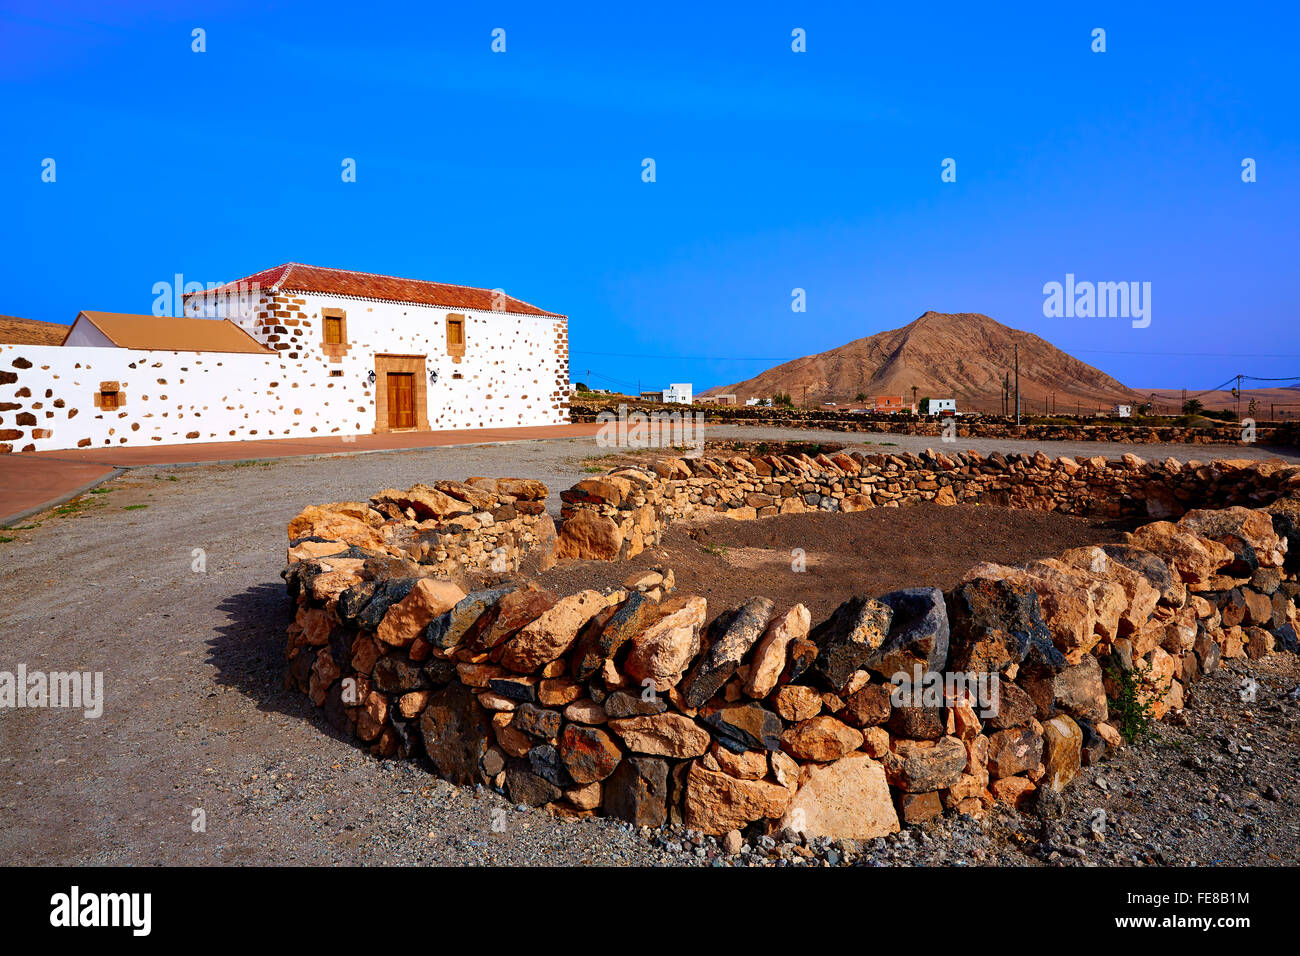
x=168 y=334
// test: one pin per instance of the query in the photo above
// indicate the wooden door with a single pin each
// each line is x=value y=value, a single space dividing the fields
x=401 y=399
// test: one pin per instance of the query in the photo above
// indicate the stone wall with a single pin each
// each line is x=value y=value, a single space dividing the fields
x=624 y=703
x=984 y=426
x=449 y=528
x=621 y=513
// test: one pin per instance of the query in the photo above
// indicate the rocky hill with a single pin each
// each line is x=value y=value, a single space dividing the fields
x=962 y=356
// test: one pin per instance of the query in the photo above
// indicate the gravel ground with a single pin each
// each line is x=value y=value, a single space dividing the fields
x=201 y=757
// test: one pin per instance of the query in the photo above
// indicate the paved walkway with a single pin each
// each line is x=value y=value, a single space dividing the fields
x=33 y=481
x=29 y=484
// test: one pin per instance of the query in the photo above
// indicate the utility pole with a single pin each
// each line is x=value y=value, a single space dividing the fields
x=1238 y=391
x=1017 y=385
x=805 y=398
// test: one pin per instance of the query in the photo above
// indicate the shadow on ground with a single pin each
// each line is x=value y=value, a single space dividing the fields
x=248 y=653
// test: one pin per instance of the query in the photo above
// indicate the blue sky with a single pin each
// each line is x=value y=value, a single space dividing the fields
x=775 y=170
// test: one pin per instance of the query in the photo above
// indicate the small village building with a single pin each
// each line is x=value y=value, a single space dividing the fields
x=889 y=404
x=291 y=352
x=678 y=394
x=1121 y=411
x=715 y=400
x=941 y=406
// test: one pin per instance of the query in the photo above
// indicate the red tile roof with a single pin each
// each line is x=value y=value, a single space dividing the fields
x=295 y=277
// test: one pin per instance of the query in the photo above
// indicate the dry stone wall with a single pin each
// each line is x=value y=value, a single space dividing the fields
x=983 y=426
x=623 y=702
x=623 y=512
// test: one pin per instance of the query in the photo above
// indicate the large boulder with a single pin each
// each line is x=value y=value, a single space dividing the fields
x=663 y=651
x=456 y=731
x=727 y=641
x=918 y=633
x=845 y=800
x=1248 y=533
x=587 y=535
x=771 y=653
x=716 y=802
x=992 y=623
x=1151 y=567
x=1194 y=559
x=847 y=639
x=548 y=637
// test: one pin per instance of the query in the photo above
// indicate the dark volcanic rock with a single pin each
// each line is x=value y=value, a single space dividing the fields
x=456 y=731
x=544 y=760
x=622 y=704
x=392 y=675
x=741 y=727
x=918 y=633
x=638 y=791
x=528 y=788
x=597 y=644
x=848 y=637
x=537 y=721
x=386 y=594
x=447 y=630
x=728 y=640
x=992 y=625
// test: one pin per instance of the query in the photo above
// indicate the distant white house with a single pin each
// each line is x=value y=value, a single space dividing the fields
x=753 y=401
x=1121 y=411
x=679 y=393
x=941 y=406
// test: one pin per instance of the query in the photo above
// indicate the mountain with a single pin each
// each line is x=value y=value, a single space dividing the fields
x=16 y=331
x=961 y=356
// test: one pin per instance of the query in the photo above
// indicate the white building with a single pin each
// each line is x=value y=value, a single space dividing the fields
x=940 y=406
x=1121 y=411
x=679 y=394
x=302 y=351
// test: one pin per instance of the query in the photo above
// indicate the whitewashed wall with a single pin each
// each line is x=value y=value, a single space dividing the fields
x=511 y=376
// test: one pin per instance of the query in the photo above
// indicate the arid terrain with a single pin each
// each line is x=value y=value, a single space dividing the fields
x=197 y=724
x=840 y=555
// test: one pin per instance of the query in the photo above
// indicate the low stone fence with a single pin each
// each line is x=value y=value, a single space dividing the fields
x=624 y=703
x=621 y=513
x=448 y=528
x=983 y=426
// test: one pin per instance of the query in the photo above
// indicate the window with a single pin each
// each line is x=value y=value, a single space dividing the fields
x=109 y=397
x=456 y=336
x=334 y=333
